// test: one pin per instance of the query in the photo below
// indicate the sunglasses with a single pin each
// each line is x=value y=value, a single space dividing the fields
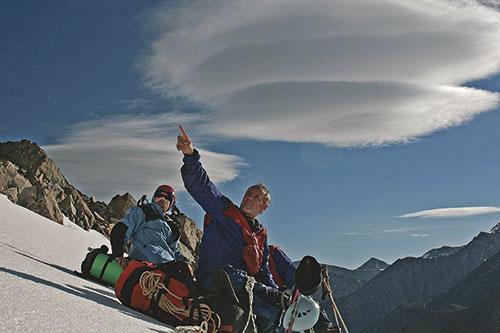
x=166 y=195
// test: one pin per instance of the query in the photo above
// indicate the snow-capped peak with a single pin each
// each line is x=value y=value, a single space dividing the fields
x=495 y=229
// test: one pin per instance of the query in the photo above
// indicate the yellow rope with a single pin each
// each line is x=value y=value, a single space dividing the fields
x=328 y=288
x=151 y=285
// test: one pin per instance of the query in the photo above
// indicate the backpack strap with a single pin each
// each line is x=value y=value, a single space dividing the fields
x=149 y=212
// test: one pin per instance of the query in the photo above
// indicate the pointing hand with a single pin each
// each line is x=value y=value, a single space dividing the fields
x=184 y=143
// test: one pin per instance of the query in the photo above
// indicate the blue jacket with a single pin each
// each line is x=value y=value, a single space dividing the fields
x=152 y=240
x=222 y=245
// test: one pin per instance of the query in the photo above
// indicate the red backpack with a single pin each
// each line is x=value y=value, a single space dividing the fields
x=166 y=292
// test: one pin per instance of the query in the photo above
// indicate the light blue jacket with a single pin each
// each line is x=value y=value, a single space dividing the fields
x=153 y=240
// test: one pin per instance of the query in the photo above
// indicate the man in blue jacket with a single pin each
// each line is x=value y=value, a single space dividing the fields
x=155 y=236
x=233 y=240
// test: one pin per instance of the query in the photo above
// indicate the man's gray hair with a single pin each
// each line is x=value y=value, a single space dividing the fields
x=267 y=195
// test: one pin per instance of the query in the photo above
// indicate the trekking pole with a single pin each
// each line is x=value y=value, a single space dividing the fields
x=328 y=290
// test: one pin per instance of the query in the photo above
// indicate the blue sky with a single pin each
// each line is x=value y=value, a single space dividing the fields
x=374 y=125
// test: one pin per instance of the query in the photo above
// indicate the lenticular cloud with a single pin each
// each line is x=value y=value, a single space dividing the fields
x=342 y=73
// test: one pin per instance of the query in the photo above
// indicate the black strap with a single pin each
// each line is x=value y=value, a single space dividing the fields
x=110 y=259
x=130 y=283
x=150 y=214
x=175 y=227
x=153 y=305
x=195 y=305
x=142 y=200
x=90 y=257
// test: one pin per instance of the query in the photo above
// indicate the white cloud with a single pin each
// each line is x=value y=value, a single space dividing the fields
x=452 y=212
x=342 y=73
x=399 y=230
x=358 y=233
x=420 y=235
x=135 y=154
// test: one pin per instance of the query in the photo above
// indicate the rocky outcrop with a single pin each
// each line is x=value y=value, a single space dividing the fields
x=42 y=201
x=12 y=183
x=120 y=204
x=31 y=179
x=190 y=236
x=48 y=192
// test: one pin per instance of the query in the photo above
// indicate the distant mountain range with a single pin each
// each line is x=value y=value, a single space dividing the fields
x=346 y=281
x=416 y=280
x=473 y=305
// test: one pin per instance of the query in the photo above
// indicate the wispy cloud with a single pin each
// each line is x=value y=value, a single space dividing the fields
x=406 y=230
x=399 y=230
x=342 y=73
x=452 y=212
x=420 y=235
x=124 y=153
x=354 y=233
x=137 y=104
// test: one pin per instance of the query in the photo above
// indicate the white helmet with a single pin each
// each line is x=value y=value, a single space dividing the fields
x=307 y=314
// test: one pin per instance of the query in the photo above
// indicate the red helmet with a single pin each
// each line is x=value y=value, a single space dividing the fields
x=166 y=191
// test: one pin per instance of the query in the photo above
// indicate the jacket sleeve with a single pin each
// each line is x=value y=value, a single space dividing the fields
x=285 y=267
x=264 y=274
x=117 y=238
x=201 y=188
x=174 y=246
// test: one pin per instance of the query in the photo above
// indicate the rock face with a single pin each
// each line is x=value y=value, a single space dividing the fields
x=42 y=201
x=31 y=179
x=190 y=237
x=120 y=204
x=12 y=183
x=48 y=193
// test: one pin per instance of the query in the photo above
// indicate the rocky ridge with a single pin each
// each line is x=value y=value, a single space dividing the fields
x=472 y=305
x=31 y=179
x=414 y=281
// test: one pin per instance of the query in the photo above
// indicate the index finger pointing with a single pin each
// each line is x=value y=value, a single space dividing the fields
x=184 y=133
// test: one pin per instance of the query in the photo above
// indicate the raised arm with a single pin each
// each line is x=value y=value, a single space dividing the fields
x=196 y=180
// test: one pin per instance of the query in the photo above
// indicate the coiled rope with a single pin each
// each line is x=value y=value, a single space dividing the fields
x=151 y=285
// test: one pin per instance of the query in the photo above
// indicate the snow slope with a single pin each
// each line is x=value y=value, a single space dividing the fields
x=39 y=293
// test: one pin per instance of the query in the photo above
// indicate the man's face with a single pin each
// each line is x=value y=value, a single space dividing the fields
x=253 y=202
x=163 y=202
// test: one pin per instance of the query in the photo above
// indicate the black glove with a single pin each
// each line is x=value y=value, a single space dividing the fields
x=270 y=296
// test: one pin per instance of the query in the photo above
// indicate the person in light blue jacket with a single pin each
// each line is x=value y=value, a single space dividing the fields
x=155 y=236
